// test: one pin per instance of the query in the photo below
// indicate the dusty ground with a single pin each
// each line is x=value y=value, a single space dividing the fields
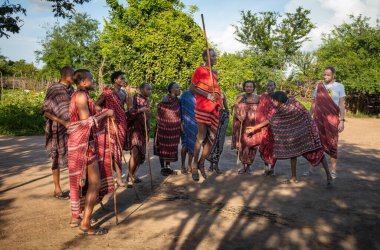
x=225 y=212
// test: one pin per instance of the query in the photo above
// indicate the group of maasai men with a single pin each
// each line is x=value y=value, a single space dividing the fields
x=89 y=137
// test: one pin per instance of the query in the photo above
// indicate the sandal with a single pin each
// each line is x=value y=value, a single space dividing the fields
x=271 y=173
x=202 y=170
x=62 y=195
x=184 y=171
x=137 y=180
x=289 y=181
x=217 y=170
x=195 y=174
x=120 y=183
x=98 y=231
x=75 y=223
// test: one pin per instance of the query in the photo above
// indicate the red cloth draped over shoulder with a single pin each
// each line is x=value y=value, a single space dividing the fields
x=266 y=110
x=206 y=111
x=80 y=133
x=168 y=131
x=248 y=113
x=135 y=125
x=326 y=116
x=112 y=101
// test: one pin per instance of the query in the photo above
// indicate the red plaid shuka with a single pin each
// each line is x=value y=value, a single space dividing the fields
x=57 y=102
x=168 y=130
x=295 y=133
x=135 y=126
x=266 y=110
x=326 y=116
x=87 y=142
x=206 y=111
x=112 y=101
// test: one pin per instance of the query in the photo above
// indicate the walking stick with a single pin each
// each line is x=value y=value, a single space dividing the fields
x=148 y=154
x=238 y=155
x=113 y=180
x=125 y=161
x=208 y=55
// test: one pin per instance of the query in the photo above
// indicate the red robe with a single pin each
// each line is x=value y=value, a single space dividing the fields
x=112 y=101
x=326 y=116
x=87 y=143
x=266 y=109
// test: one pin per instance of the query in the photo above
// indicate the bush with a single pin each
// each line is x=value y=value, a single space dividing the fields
x=20 y=113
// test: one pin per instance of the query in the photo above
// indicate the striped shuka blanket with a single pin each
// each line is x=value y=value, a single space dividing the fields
x=135 y=126
x=168 y=129
x=112 y=101
x=326 y=116
x=189 y=123
x=87 y=143
x=295 y=133
x=57 y=102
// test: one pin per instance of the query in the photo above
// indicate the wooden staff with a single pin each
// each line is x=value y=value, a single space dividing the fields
x=147 y=152
x=238 y=155
x=125 y=161
x=113 y=180
x=208 y=56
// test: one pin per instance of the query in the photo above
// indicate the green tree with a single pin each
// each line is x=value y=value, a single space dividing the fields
x=353 y=48
x=76 y=44
x=153 y=41
x=273 y=37
x=10 y=14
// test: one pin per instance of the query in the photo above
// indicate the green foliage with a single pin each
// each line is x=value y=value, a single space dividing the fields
x=10 y=21
x=153 y=41
x=20 y=67
x=354 y=49
x=266 y=31
x=75 y=44
x=20 y=113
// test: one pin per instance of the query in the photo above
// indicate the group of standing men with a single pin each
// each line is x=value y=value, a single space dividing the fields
x=89 y=137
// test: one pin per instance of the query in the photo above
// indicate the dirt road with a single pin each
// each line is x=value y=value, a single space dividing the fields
x=228 y=211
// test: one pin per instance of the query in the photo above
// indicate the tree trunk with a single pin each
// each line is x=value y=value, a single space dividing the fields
x=100 y=74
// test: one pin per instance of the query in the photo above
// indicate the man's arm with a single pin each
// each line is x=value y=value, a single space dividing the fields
x=312 y=108
x=197 y=91
x=83 y=109
x=56 y=119
x=342 y=111
x=99 y=103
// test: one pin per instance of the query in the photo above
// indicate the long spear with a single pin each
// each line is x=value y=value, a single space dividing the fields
x=147 y=152
x=208 y=55
x=114 y=191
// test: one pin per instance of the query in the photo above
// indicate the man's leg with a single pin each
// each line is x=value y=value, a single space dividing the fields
x=133 y=163
x=118 y=174
x=333 y=167
x=202 y=130
x=91 y=195
x=205 y=153
x=327 y=171
x=56 y=179
x=189 y=162
x=183 y=160
x=293 y=164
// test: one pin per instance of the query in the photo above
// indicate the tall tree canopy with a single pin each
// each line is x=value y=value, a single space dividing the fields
x=153 y=41
x=11 y=20
x=353 y=48
x=76 y=44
